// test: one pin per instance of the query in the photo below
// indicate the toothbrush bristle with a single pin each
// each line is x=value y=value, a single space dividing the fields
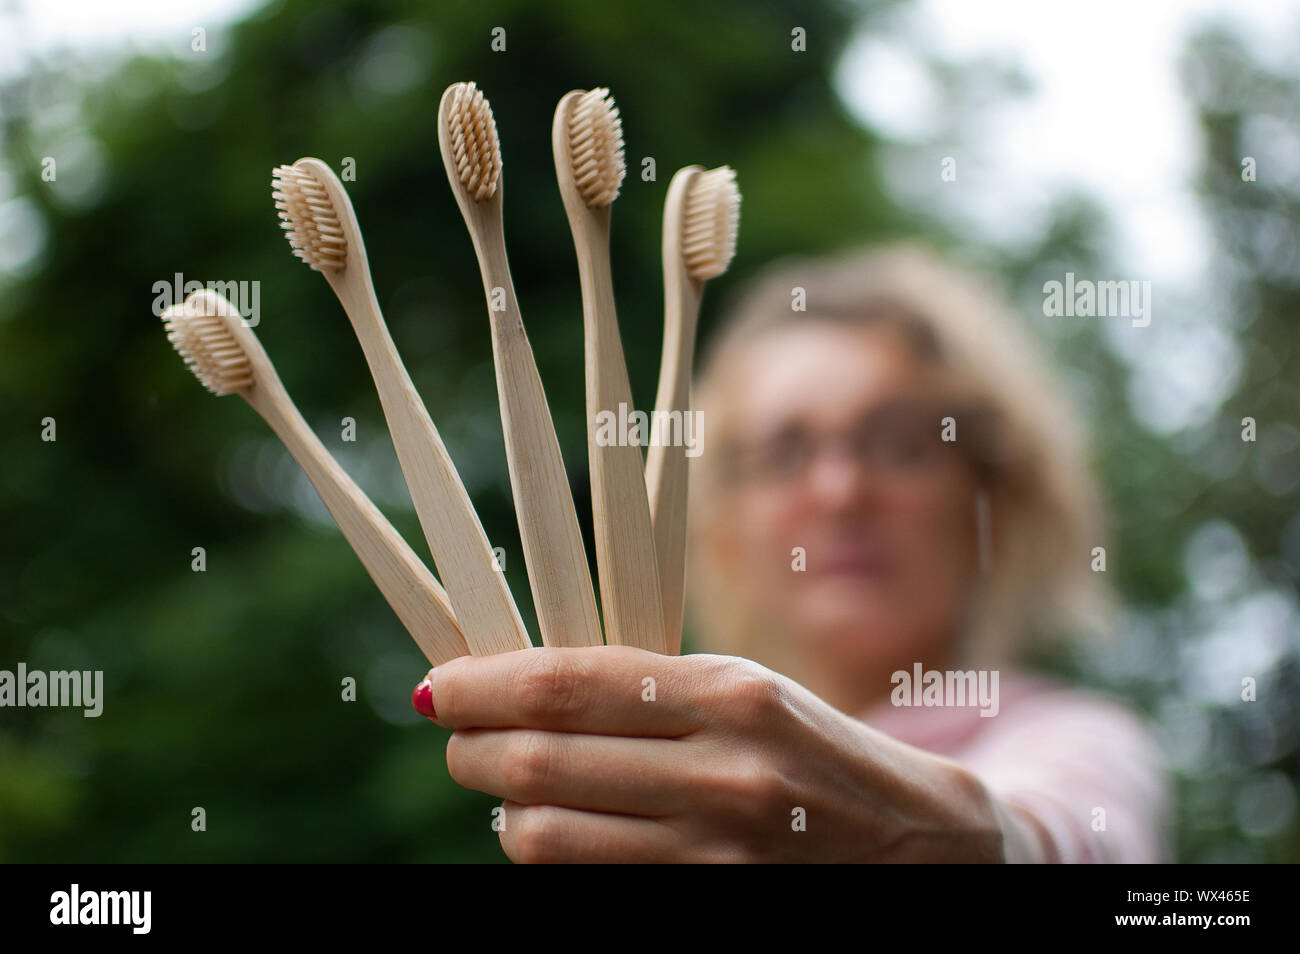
x=475 y=147
x=198 y=331
x=596 y=147
x=308 y=218
x=710 y=223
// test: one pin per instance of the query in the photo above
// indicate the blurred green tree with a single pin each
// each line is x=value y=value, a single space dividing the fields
x=223 y=688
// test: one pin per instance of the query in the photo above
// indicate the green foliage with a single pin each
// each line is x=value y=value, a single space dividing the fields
x=223 y=687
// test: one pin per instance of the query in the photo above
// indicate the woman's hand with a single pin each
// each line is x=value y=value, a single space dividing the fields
x=617 y=754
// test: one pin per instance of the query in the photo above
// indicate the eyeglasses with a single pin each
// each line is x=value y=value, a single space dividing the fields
x=899 y=439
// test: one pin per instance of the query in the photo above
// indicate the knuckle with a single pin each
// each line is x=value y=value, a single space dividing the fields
x=532 y=836
x=552 y=685
x=750 y=791
x=754 y=692
x=760 y=787
x=771 y=792
x=528 y=766
x=751 y=812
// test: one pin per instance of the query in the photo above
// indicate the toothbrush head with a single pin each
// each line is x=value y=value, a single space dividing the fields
x=309 y=219
x=710 y=223
x=596 y=147
x=472 y=133
x=198 y=330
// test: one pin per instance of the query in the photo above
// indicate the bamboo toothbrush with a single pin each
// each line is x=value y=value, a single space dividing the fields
x=227 y=358
x=701 y=219
x=587 y=139
x=548 y=524
x=322 y=230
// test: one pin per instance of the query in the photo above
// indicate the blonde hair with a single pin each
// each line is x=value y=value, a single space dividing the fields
x=1030 y=459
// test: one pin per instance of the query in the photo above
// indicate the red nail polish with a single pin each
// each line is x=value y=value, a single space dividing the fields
x=422 y=699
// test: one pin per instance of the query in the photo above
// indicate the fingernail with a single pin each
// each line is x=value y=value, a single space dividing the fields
x=422 y=699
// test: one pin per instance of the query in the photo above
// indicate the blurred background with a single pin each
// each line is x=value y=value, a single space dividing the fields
x=1108 y=141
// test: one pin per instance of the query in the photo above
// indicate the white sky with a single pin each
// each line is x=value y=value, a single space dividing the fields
x=46 y=24
x=1106 y=115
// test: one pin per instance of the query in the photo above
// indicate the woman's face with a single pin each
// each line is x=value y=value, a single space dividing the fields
x=852 y=521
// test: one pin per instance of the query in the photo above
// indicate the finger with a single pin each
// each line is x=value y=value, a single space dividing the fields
x=611 y=690
x=647 y=777
x=551 y=834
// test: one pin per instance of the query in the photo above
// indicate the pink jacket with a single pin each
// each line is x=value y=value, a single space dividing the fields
x=1084 y=765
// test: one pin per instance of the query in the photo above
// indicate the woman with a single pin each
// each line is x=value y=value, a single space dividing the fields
x=891 y=509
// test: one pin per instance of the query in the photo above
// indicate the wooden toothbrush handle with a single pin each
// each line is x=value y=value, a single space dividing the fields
x=479 y=593
x=405 y=582
x=666 y=460
x=625 y=546
x=548 y=523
